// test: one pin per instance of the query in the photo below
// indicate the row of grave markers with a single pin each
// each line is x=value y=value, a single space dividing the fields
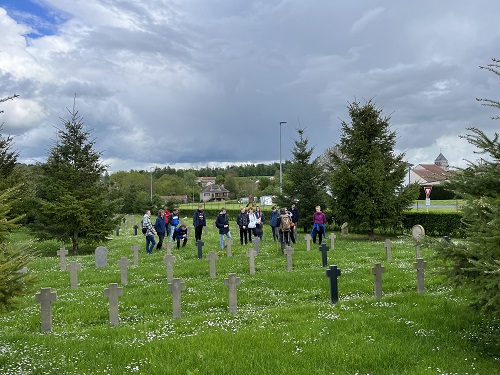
x=46 y=296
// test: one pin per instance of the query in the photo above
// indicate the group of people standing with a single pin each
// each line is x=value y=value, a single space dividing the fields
x=166 y=224
x=283 y=224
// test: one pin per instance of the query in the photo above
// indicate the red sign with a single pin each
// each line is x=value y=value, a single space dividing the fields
x=427 y=190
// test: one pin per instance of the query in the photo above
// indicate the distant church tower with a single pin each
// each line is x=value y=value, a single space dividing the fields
x=442 y=162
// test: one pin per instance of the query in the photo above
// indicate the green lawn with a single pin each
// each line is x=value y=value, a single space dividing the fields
x=285 y=322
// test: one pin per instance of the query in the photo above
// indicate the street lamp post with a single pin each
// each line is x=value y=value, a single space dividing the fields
x=281 y=169
x=151 y=191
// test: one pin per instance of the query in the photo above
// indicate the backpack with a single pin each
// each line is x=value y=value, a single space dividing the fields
x=285 y=223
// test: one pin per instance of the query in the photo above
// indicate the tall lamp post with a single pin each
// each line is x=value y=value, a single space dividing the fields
x=151 y=191
x=281 y=169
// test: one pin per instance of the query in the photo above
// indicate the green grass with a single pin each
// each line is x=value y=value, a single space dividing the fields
x=285 y=323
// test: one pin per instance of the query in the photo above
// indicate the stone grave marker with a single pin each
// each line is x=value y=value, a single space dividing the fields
x=188 y=231
x=251 y=254
x=377 y=272
x=73 y=268
x=101 y=257
x=205 y=230
x=169 y=247
x=388 y=246
x=169 y=261
x=256 y=242
x=117 y=230
x=112 y=293
x=332 y=240
x=307 y=238
x=333 y=273
x=324 y=249
x=46 y=297
x=124 y=263
x=417 y=252
x=22 y=270
x=136 y=249
x=214 y=225
x=136 y=227
x=420 y=266
x=288 y=252
x=200 y=244
x=229 y=247
x=62 y=252
x=231 y=282
x=212 y=257
x=175 y=287
x=344 y=229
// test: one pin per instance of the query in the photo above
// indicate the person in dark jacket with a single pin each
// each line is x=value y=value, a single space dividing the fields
x=181 y=234
x=199 y=221
x=295 y=215
x=222 y=223
x=242 y=221
x=160 y=228
x=273 y=222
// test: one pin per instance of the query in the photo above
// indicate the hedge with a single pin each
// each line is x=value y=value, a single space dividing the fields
x=435 y=224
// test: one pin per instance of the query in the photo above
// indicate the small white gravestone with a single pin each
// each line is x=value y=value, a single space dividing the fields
x=418 y=232
x=388 y=246
x=212 y=257
x=112 y=293
x=62 y=252
x=344 y=229
x=288 y=252
x=175 y=287
x=332 y=240
x=46 y=297
x=124 y=263
x=101 y=257
x=377 y=272
x=231 y=282
x=73 y=268
x=169 y=261
x=307 y=238
x=251 y=254
x=229 y=247
x=420 y=266
x=136 y=249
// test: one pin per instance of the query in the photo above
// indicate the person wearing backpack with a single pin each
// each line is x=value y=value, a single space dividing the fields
x=284 y=224
x=319 y=221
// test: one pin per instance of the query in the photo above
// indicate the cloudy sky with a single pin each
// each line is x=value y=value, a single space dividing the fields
x=207 y=82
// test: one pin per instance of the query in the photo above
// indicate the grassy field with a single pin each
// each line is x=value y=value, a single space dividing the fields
x=285 y=322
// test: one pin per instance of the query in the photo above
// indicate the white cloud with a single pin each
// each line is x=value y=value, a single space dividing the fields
x=169 y=82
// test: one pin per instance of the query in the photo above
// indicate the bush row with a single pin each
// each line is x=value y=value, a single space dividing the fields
x=435 y=224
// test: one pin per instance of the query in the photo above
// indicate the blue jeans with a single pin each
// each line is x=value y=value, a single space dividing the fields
x=150 y=243
x=228 y=234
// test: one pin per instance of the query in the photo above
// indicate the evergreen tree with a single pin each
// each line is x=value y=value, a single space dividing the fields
x=12 y=258
x=75 y=203
x=303 y=182
x=475 y=263
x=366 y=177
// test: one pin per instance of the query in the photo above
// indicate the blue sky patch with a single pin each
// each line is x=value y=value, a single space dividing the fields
x=42 y=19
